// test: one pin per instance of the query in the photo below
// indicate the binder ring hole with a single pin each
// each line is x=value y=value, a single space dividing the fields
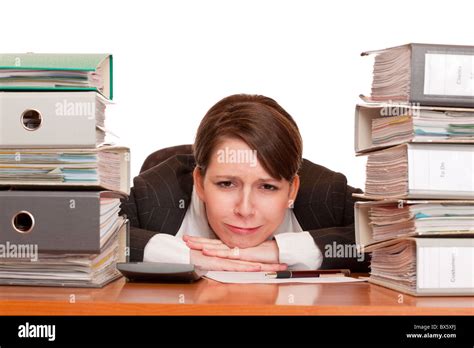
x=23 y=222
x=31 y=119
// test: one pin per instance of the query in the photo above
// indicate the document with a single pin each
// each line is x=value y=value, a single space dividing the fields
x=261 y=278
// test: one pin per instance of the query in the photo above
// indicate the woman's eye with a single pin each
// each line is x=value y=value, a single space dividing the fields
x=269 y=187
x=224 y=184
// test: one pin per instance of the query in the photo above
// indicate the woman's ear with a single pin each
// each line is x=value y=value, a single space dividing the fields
x=294 y=187
x=199 y=183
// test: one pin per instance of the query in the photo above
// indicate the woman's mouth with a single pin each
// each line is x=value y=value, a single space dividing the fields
x=242 y=230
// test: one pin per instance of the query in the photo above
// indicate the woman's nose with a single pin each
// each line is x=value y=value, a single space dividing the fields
x=244 y=206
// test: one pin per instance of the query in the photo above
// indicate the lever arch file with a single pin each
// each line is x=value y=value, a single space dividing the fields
x=425 y=74
x=57 y=72
x=105 y=168
x=53 y=119
x=73 y=222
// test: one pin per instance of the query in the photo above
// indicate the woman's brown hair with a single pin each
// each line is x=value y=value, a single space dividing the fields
x=258 y=121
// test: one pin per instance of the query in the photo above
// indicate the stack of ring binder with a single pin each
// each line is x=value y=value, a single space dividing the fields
x=60 y=181
x=417 y=131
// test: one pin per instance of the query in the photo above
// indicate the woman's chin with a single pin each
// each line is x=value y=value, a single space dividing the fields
x=236 y=237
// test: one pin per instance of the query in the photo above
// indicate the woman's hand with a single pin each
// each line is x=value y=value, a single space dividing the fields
x=265 y=253
x=212 y=263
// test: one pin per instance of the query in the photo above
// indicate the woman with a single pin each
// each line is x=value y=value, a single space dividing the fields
x=245 y=200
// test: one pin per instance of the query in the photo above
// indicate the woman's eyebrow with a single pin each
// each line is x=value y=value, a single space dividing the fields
x=233 y=177
x=267 y=179
x=227 y=177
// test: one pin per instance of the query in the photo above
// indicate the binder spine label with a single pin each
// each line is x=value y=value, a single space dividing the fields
x=446 y=169
x=445 y=267
x=449 y=74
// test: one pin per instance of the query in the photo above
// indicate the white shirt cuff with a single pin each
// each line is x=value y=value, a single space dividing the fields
x=163 y=247
x=298 y=250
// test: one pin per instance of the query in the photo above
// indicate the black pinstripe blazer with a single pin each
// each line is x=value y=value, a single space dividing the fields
x=324 y=206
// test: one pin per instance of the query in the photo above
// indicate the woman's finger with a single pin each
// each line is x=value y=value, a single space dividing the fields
x=234 y=266
x=267 y=267
x=264 y=267
x=233 y=254
x=202 y=240
x=201 y=246
x=260 y=254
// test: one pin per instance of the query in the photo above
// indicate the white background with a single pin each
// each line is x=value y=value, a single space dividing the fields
x=174 y=59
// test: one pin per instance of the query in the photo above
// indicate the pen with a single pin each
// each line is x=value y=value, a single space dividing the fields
x=307 y=274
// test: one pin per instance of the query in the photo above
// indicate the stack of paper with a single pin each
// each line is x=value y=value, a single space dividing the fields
x=105 y=167
x=421 y=171
x=58 y=226
x=418 y=216
x=66 y=237
x=53 y=119
x=50 y=78
x=391 y=221
x=391 y=79
x=75 y=72
x=425 y=74
x=378 y=125
x=261 y=278
x=88 y=270
x=425 y=266
x=426 y=126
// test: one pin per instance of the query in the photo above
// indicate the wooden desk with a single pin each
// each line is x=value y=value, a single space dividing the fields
x=208 y=297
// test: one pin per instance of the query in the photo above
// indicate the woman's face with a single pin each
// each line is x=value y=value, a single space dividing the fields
x=244 y=205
